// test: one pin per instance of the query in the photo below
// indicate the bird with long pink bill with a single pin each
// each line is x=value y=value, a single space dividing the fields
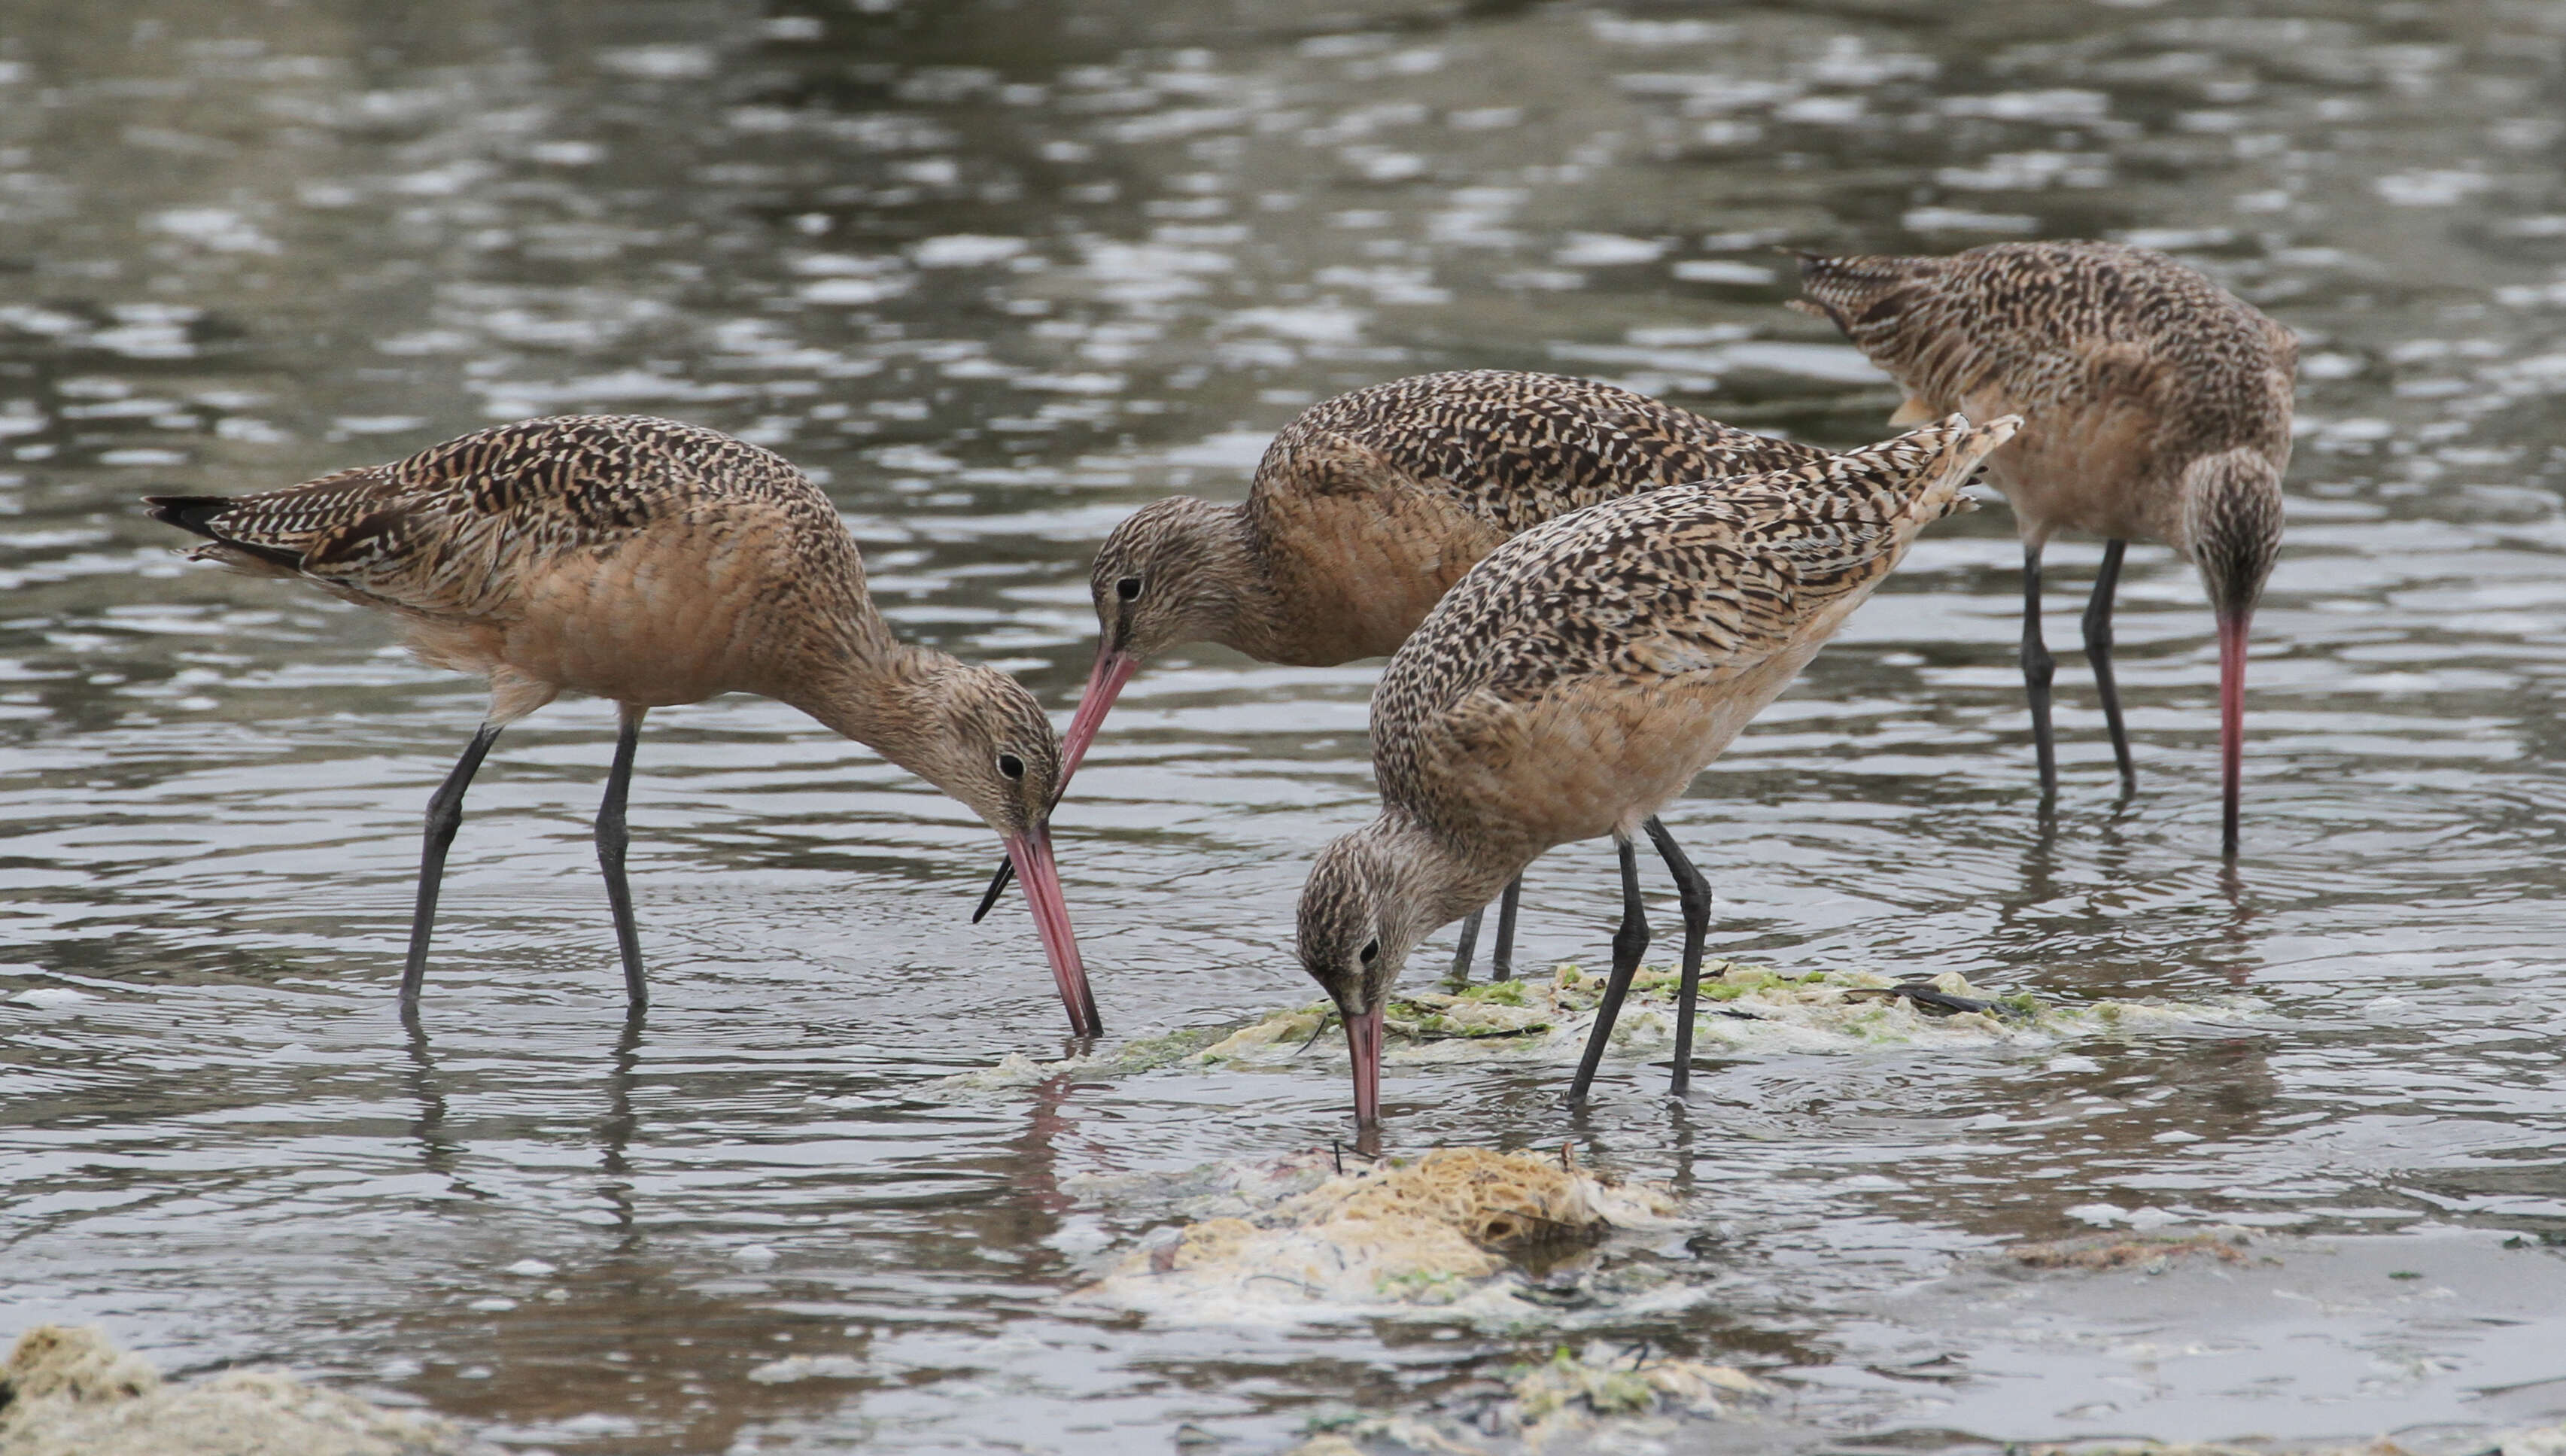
x=2155 y=406
x=652 y=564
x=1364 y=512
x=1572 y=684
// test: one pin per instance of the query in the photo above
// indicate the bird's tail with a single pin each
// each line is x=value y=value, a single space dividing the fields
x=1908 y=483
x=1861 y=295
x=1846 y=521
x=197 y=515
x=1959 y=449
x=189 y=512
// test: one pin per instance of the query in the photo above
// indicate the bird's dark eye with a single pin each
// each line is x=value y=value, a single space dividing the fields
x=1370 y=951
x=1011 y=766
x=1128 y=589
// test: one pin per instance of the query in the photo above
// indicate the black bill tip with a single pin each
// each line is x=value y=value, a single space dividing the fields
x=997 y=888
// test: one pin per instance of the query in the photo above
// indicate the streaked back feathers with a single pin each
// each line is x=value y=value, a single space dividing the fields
x=1368 y=505
x=2056 y=327
x=450 y=530
x=1581 y=673
x=2156 y=404
x=1687 y=580
x=1515 y=449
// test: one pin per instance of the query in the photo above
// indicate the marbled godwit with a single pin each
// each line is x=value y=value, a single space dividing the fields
x=1577 y=680
x=651 y=563
x=2156 y=405
x=1367 y=508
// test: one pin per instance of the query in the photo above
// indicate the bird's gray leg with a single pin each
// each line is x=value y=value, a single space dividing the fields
x=2037 y=668
x=1501 y=956
x=1628 y=943
x=1695 y=892
x=612 y=837
x=1502 y=959
x=2098 y=650
x=444 y=817
x=1470 y=946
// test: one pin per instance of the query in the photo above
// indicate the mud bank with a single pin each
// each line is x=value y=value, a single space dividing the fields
x=70 y=1392
x=1445 y=1234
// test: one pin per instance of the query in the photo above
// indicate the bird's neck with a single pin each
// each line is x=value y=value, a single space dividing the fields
x=883 y=695
x=1441 y=880
x=1231 y=596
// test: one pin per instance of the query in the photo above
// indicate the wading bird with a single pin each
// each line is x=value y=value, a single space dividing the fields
x=653 y=564
x=2156 y=406
x=1575 y=681
x=1367 y=508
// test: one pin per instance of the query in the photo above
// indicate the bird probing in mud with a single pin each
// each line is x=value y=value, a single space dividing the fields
x=2156 y=406
x=1573 y=683
x=650 y=563
x=1368 y=507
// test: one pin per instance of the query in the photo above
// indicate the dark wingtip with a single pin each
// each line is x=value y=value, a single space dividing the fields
x=188 y=512
x=194 y=514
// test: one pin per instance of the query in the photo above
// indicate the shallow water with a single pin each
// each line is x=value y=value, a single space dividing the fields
x=999 y=272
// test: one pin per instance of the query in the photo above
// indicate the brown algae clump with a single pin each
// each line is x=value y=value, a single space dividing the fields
x=1496 y=1200
x=70 y=1392
x=1384 y=1238
x=2125 y=1251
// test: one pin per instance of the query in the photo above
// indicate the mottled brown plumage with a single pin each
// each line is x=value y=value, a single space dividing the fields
x=1579 y=677
x=2155 y=406
x=1368 y=507
x=651 y=562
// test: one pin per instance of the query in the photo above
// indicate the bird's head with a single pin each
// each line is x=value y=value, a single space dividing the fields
x=1157 y=581
x=1165 y=576
x=2231 y=524
x=991 y=748
x=1358 y=923
x=994 y=751
x=2231 y=520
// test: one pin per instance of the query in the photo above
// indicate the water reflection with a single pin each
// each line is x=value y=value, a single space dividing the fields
x=999 y=274
x=615 y=1132
x=438 y=1152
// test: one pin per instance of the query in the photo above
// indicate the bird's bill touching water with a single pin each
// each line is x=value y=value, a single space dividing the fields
x=1105 y=683
x=1030 y=852
x=1363 y=1043
x=2233 y=522
x=2231 y=722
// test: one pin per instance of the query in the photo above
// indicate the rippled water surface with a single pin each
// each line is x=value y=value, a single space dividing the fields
x=999 y=273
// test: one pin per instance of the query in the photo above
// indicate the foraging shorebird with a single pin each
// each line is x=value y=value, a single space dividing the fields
x=2156 y=406
x=651 y=563
x=1366 y=509
x=1575 y=681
